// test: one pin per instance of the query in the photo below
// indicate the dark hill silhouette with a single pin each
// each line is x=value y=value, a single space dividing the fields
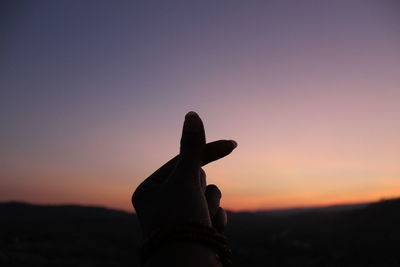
x=32 y=234
x=357 y=235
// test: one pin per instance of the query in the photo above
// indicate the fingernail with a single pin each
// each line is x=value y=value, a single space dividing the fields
x=235 y=144
x=192 y=122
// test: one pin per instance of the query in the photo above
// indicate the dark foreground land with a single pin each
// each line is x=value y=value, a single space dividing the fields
x=358 y=235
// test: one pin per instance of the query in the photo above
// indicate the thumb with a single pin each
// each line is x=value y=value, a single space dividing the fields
x=192 y=145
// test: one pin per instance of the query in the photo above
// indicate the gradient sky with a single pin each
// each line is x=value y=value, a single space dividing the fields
x=93 y=96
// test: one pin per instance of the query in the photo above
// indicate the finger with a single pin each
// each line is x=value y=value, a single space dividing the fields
x=213 y=197
x=203 y=181
x=192 y=144
x=213 y=151
x=218 y=149
x=220 y=220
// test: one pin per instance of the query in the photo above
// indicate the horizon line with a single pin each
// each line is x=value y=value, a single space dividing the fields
x=228 y=210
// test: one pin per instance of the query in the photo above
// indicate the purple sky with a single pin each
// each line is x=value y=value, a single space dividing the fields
x=93 y=95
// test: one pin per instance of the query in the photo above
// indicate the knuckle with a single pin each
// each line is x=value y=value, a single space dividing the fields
x=135 y=198
x=213 y=189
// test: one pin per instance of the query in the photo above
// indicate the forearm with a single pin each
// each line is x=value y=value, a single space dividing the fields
x=184 y=254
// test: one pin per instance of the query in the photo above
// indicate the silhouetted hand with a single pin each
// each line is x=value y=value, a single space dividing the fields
x=177 y=192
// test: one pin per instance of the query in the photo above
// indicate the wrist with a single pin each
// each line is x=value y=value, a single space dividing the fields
x=184 y=254
x=187 y=243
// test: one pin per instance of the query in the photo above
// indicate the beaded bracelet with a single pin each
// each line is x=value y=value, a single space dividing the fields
x=187 y=232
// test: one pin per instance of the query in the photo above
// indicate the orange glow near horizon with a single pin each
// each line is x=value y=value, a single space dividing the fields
x=275 y=190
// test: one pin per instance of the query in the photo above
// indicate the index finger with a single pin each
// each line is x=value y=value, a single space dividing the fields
x=213 y=151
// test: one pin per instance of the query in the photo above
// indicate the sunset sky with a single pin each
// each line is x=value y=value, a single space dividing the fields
x=93 y=96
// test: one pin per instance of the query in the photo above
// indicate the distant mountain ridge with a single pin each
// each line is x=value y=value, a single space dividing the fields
x=345 y=235
x=327 y=208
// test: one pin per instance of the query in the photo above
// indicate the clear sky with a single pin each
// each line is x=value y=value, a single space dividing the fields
x=93 y=96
